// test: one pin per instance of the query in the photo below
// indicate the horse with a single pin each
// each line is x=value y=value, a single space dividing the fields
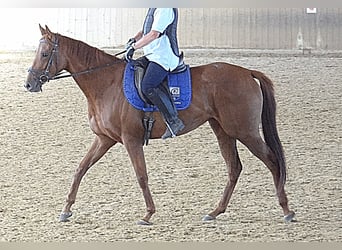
x=232 y=99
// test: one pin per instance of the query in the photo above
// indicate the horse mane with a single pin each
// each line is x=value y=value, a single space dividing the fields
x=86 y=53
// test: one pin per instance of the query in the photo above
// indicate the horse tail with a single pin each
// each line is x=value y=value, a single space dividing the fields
x=269 y=126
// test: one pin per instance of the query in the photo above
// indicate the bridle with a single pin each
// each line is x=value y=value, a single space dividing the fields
x=44 y=75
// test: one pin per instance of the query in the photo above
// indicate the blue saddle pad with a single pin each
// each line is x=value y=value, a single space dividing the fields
x=179 y=85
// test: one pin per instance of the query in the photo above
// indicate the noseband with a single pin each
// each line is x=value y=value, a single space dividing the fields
x=43 y=76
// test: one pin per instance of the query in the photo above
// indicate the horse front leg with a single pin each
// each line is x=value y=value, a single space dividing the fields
x=136 y=154
x=99 y=147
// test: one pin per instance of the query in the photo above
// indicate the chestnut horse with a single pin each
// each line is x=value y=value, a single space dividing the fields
x=225 y=95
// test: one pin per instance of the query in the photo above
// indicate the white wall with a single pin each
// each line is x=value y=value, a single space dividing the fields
x=101 y=27
x=262 y=28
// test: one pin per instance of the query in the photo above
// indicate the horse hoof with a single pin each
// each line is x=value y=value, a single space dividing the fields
x=144 y=223
x=290 y=217
x=64 y=216
x=208 y=218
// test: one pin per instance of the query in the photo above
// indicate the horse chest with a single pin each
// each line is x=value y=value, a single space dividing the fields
x=103 y=125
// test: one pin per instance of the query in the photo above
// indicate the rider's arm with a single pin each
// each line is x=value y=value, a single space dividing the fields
x=138 y=36
x=149 y=37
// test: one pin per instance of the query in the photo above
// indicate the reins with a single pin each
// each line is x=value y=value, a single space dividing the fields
x=64 y=75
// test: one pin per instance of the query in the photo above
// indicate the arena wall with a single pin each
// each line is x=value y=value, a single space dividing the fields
x=261 y=28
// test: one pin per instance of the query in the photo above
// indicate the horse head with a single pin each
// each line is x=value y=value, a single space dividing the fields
x=45 y=65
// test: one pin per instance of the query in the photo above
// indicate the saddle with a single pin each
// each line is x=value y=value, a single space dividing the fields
x=140 y=66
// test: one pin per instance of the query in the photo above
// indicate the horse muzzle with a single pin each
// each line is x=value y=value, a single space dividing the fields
x=32 y=87
x=35 y=80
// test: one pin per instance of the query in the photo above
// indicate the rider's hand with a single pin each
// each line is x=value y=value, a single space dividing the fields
x=130 y=42
x=129 y=53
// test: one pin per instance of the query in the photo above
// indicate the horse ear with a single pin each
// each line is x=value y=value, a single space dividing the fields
x=49 y=32
x=42 y=30
x=47 y=29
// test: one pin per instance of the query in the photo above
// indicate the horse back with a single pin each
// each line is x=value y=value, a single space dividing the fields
x=223 y=77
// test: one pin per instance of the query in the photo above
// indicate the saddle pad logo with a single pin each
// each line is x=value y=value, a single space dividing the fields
x=175 y=93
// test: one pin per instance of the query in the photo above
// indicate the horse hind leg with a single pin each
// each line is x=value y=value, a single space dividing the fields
x=259 y=148
x=231 y=157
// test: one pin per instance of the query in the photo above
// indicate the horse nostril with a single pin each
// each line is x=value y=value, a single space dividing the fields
x=27 y=85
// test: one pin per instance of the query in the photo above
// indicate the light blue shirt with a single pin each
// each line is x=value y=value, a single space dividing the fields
x=159 y=50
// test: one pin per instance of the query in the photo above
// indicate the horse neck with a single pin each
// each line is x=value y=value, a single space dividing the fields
x=80 y=57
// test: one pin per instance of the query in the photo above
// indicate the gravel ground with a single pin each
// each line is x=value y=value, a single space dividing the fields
x=43 y=137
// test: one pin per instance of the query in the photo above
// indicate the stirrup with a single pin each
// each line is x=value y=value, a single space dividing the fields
x=171 y=133
x=168 y=134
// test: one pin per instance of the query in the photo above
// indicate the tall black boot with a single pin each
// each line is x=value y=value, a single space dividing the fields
x=168 y=110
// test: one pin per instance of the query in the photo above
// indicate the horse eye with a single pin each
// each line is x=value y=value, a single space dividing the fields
x=45 y=54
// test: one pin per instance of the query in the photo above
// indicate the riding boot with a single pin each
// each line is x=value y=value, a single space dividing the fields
x=168 y=110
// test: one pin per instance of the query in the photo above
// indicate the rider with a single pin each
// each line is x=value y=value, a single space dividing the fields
x=158 y=39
